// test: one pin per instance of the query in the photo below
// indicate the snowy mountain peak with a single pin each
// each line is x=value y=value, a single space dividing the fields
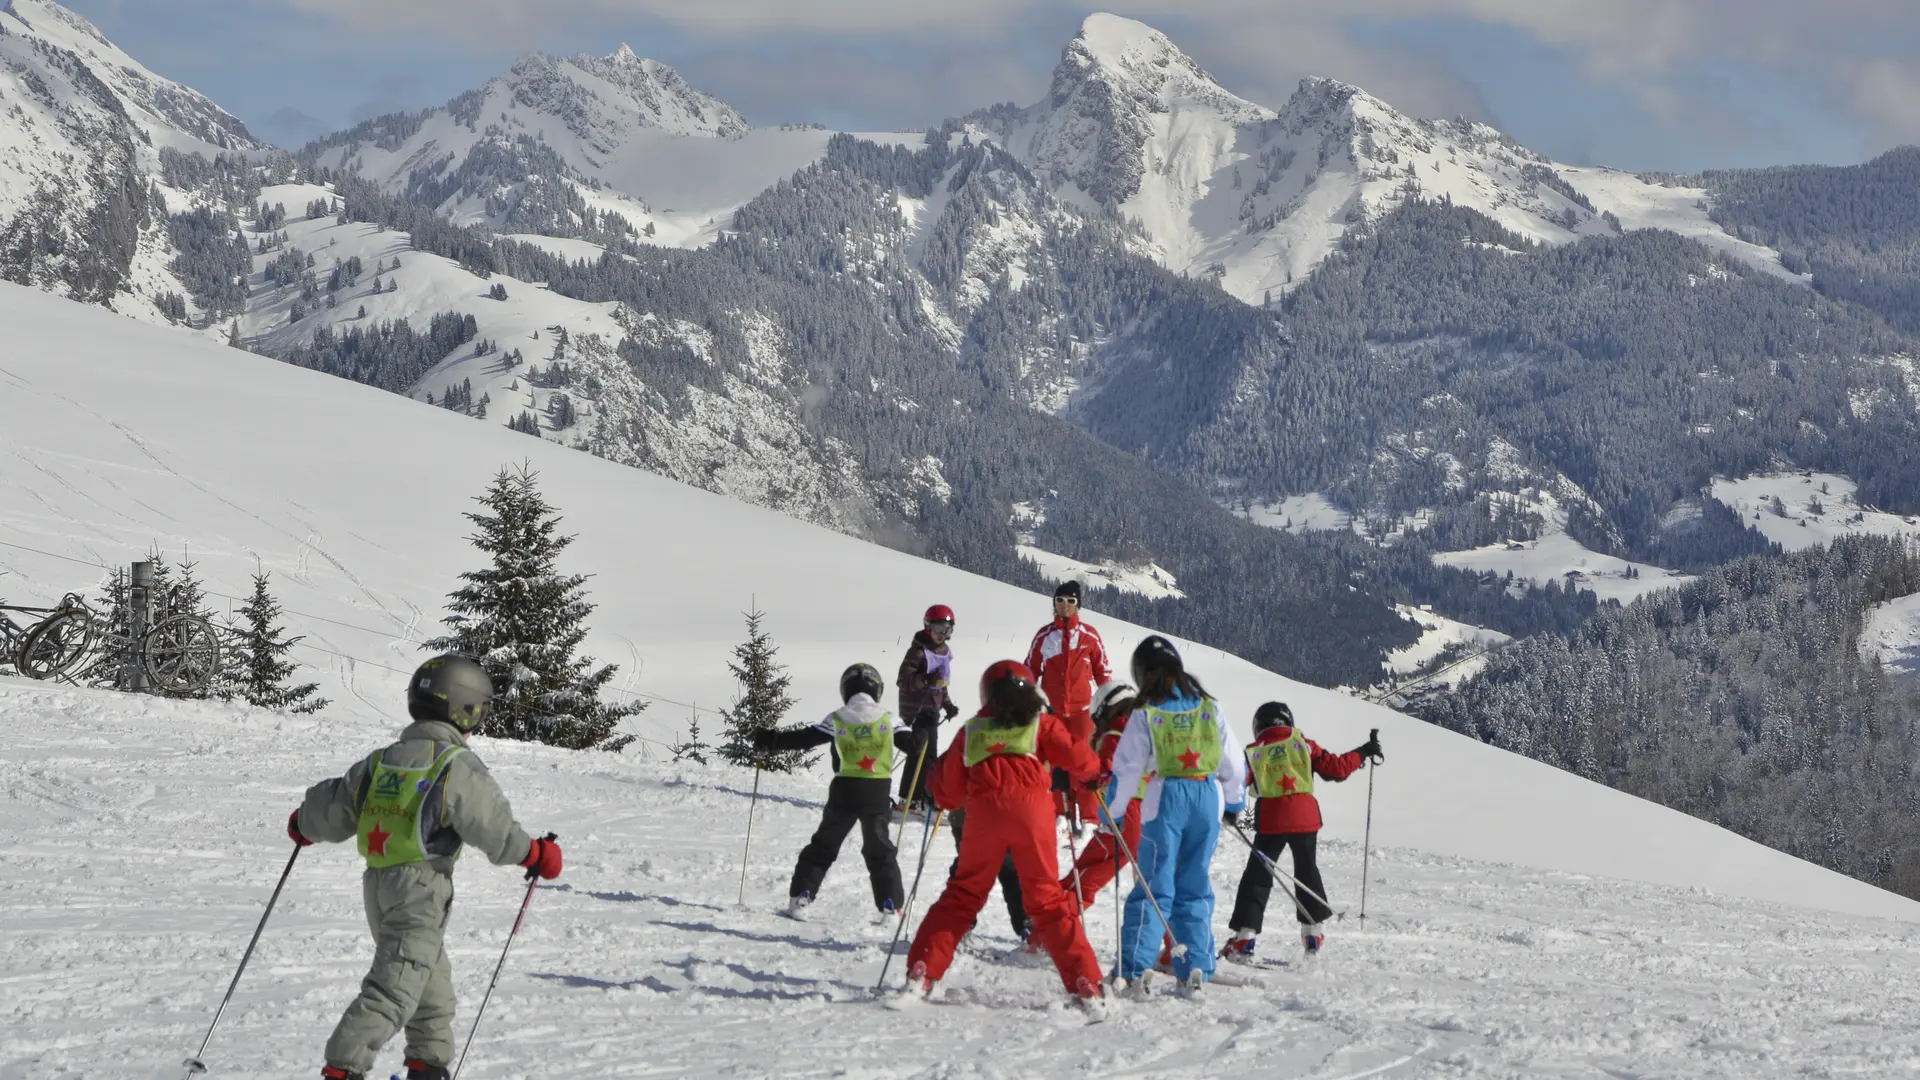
x=167 y=112
x=604 y=100
x=1229 y=189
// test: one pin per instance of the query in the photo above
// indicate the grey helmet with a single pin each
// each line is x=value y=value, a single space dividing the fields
x=1109 y=692
x=453 y=688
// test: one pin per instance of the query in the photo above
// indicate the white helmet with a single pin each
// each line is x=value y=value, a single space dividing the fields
x=1108 y=692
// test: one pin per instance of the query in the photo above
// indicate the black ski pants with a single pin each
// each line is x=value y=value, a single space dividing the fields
x=926 y=741
x=1256 y=883
x=1009 y=879
x=854 y=801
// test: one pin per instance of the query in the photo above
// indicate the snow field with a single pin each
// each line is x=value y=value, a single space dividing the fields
x=122 y=438
x=147 y=835
x=1892 y=632
x=1559 y=557
x=1820 y=508
x=1439 y=633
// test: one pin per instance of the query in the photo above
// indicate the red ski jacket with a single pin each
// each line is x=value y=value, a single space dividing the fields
x=1009 y=781
x=1070 y=660
x=1301 y=813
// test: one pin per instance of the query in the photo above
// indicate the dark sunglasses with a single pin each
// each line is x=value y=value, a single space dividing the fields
x=945 y=627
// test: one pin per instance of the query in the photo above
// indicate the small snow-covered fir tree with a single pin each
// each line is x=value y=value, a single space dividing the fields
x=522 y=619
x=258 y=669
x=693 y=748
x=761 y=703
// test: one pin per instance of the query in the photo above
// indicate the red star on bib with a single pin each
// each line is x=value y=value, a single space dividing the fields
x=866 y=763
x=377 y=840
x=1190 y=759
x=997 y=748
x=1286 y=783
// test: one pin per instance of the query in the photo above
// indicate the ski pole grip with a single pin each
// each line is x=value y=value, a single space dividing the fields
x=534 y=871
x=1373 y=736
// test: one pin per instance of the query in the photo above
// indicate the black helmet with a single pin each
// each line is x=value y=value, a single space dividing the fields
x=861 y=679
x=1272 y=714
x=452 y=688
x=1154 y=654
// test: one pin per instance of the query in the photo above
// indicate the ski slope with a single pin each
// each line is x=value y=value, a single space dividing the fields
x=1523 y=919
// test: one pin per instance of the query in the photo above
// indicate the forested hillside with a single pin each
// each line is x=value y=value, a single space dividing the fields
x=1741 y=698
x=1854 y=228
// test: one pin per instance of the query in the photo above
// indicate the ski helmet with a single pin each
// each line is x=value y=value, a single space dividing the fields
x=1109 y=692
x=939 y=613
x=452 y=688
x=1155 y=654
x=1001 y=671
x=1271 y=715
x=861 y=679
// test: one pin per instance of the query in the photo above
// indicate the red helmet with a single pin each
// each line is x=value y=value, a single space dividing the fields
x=939 y=613
x=1003 y=669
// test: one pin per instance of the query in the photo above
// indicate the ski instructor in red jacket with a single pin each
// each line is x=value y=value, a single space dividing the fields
x=1070 y=660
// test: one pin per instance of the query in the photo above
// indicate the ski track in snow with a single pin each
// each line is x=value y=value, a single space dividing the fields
x=145 y=835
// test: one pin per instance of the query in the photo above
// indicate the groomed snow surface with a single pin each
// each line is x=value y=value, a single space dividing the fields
x=148 y=835
x=1521 y=921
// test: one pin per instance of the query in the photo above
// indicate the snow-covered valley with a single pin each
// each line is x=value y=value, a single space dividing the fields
x=1521 y=920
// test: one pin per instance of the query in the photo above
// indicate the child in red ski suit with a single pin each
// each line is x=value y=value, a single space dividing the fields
x=996 y=769
x=1102 y=859
x=1282 y=764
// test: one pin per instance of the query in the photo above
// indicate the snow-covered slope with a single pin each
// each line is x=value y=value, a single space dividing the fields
x=81 y=128
x=1257 y=198
x=1501 y=939
x=627 y=135
x=1806 y=509
x=145 y=836
x=1892 y=632
x=126 y=436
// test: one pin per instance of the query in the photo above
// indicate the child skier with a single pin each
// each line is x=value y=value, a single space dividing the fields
x=412 y=806
x=996 y=769
x=1283 y=763
x=925 y=672
x=863 y=737
x=1181 y=742
x=1100 y=862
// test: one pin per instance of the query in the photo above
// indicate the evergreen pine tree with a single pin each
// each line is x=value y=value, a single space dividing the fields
x=693 y=748
x=258 y=669
x=761 y=703
x=522 y=620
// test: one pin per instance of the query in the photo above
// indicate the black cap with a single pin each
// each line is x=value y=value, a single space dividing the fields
x=1069 y=589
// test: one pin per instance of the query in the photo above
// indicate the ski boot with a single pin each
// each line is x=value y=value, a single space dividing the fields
x=796 y=908
x=918 y=984
x=887 y=916
x=1164 y=964
x=1239 y=947
x=1194 y=985
x=1091 y=1000
x=1312 y=938
x=1028 y=953
x=332 y=1072
x=420 y=1070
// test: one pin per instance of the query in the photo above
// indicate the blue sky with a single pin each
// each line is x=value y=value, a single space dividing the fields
x=1677 y=94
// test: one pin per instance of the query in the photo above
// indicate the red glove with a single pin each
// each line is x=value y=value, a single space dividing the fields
x=543 y=858
x=293 y=831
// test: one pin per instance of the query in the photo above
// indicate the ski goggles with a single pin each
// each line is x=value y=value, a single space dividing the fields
x=945 y=626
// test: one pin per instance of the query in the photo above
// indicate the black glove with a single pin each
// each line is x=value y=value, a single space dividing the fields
x=950 y=709
x=765 y=739
x=1370 y=750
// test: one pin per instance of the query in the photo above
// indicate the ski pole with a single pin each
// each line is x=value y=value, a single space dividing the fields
x=744 y=852
x=1073 y=848
x=1283 y=878
x=1366 y=847
x=926 y=844
x=194 y=1065
x=533 y=880
x=1146 y=883
x=920 y=761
